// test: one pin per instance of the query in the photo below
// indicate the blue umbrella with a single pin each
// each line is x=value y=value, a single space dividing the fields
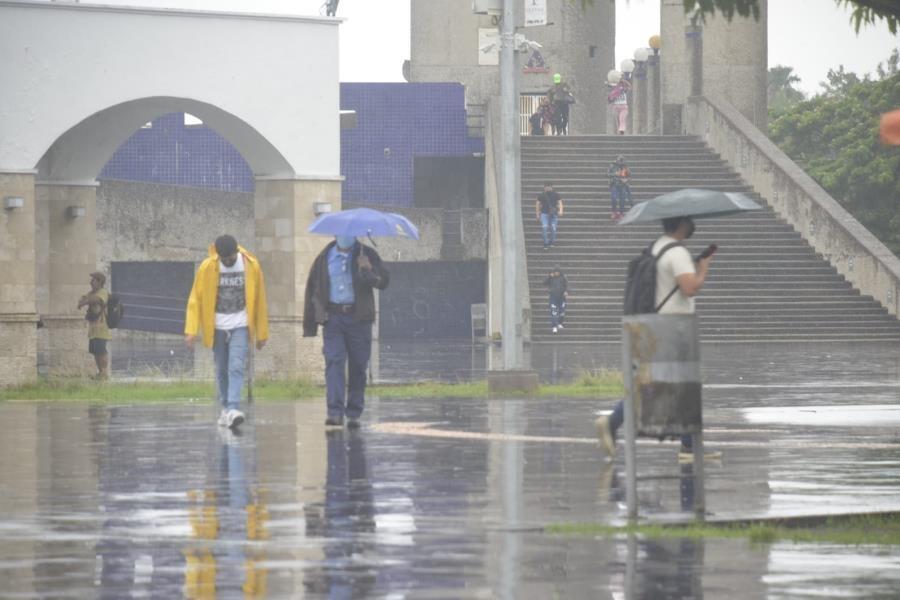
x=364 y=221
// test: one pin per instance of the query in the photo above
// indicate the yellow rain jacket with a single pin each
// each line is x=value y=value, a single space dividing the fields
x=201 y=306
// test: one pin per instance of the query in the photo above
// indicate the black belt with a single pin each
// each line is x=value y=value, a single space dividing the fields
x=344 y=309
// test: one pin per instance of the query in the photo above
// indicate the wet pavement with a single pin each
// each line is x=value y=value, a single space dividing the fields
x=444 y=498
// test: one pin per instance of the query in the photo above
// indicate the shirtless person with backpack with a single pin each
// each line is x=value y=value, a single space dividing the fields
x=678 y=280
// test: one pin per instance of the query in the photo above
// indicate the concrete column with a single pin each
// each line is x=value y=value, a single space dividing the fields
x=629 y=121
x=284 y=210
x=694 y=36
x=675 y=68
x=18 y=313
x=639 y=106
x=66 y=256
x=734 y=59
x=653 y=108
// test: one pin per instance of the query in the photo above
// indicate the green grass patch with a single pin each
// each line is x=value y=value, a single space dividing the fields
x=430 y=389
x=605 y=384
x=852 y=530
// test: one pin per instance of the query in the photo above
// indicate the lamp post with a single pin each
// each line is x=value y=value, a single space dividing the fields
x=653 y=86
x=511 y=329
x=640 y=90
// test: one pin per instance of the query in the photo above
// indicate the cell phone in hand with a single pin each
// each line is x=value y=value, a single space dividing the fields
x=710 y=250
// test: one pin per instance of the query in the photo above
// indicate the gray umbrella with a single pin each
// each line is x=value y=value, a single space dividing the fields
x=689 y=202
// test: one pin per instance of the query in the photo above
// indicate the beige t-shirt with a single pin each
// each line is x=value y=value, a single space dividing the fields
x=97 y=329
x=676 y=261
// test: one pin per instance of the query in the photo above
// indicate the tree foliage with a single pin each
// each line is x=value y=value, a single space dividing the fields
x=863 y=12
x=781 y=92
x=833 y=136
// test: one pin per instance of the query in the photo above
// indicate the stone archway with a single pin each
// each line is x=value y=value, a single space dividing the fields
x=76 y=98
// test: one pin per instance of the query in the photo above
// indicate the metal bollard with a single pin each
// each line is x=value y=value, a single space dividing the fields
x=663 y=391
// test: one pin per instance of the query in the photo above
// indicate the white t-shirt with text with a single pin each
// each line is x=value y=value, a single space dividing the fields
x=676 y=261
x=231 y=297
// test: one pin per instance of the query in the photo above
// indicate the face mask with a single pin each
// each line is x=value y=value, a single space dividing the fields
x=691 y=228
x=345 y=242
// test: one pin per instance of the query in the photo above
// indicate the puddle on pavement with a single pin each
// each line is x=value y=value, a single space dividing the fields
x=156 y=501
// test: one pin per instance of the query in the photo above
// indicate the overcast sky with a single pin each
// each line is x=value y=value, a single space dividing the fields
x=810 y=35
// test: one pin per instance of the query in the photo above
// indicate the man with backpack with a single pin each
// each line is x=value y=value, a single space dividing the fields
x=664 y=280
x=98 y=331
x=560 y=96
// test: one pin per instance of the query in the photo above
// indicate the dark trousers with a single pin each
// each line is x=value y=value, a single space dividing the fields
x=345 y=339
x=618 y=417
x=561 y=118
x=557 y=311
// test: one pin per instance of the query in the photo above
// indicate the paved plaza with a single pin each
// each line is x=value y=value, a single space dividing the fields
x=447 y=498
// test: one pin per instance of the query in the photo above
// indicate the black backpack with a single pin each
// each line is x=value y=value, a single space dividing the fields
x=640 y=285
x=114 y=311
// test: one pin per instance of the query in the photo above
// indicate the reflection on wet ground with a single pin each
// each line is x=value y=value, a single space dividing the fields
x=156 y=501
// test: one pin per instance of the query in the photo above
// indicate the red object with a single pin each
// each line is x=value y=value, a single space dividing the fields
x=890 y=128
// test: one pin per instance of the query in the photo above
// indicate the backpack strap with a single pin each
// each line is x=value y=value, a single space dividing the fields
x=665 y=249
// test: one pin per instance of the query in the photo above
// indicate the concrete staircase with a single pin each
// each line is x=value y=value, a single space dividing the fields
x=766 y=283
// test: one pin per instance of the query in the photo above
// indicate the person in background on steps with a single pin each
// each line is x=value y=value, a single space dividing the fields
x=561 y=97
x=535 y=122
x=549 y=207
x=678 y=280
x=98 y=331
x=558 y=286
x=619 y=187
x=618 y=99
x=546 y=110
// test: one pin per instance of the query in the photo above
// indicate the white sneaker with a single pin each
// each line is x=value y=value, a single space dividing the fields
x=235 y=418
x=555 y=330
x=561 y=326
x=223 y=418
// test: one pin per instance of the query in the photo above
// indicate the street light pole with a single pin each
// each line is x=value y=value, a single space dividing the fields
x=510 y=207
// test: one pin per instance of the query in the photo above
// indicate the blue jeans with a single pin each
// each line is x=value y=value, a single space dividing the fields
x=346 y=339
x=548 y=228
x=618 y=417
x=230 y=353
x=618 y=195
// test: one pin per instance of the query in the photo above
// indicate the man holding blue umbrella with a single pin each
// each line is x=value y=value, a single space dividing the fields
x=340 y=297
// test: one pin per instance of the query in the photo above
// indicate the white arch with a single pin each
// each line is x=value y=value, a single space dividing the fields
x=79 y=154
x=78 y=79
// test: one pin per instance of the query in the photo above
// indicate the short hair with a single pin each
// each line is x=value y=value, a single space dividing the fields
x=548 y=184
x=671 y=224
x=226 y=245
x=100 y=277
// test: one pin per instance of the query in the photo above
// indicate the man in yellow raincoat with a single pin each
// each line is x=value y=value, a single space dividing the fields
x=228 y=303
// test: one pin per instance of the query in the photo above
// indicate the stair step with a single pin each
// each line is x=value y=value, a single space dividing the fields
x=766 y=283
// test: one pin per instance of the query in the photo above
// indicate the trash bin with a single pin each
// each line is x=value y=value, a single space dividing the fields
x=663 y=353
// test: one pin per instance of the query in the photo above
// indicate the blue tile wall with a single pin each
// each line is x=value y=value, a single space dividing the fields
x=409 y=119
x=171 y=153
